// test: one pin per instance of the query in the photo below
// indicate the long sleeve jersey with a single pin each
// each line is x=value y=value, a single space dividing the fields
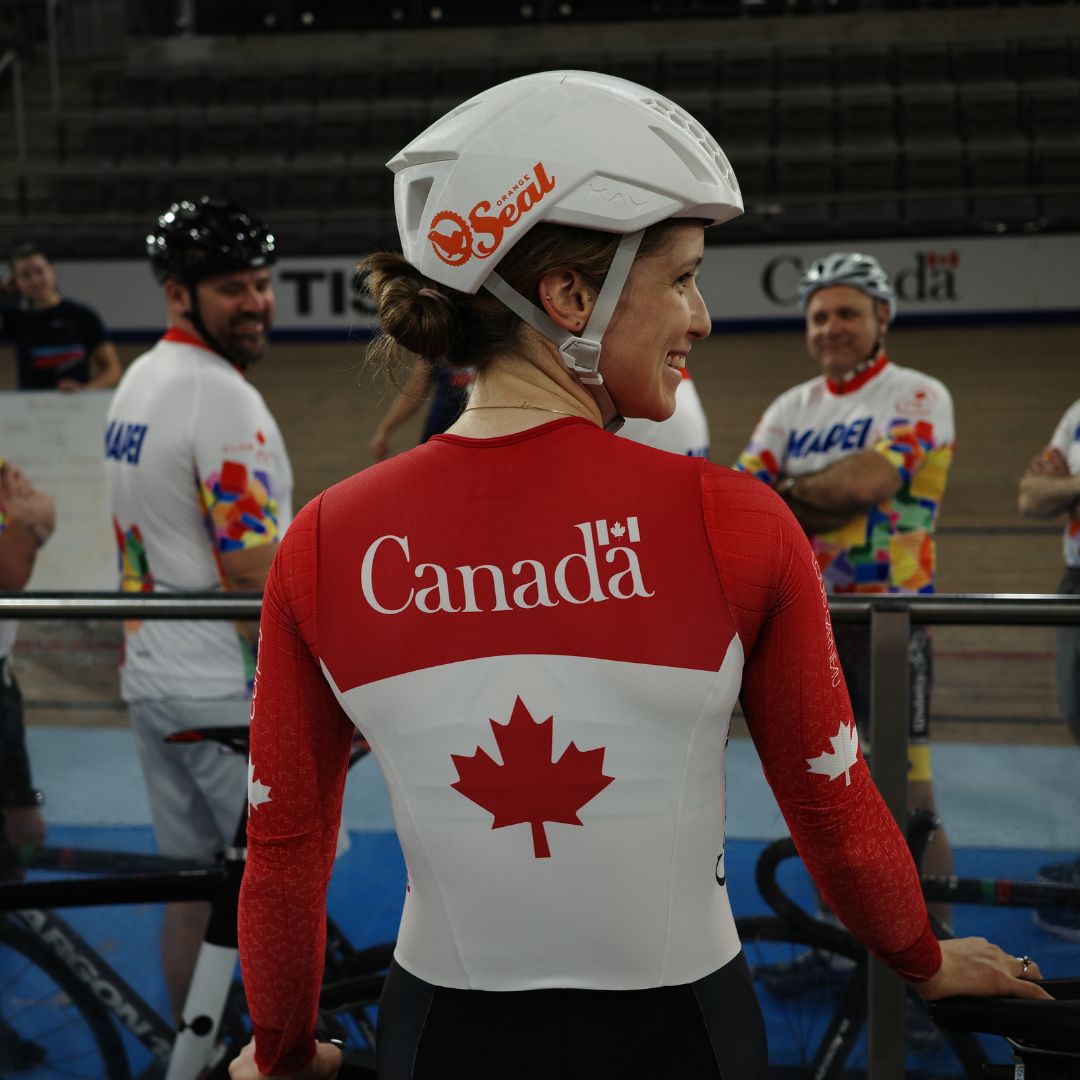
x=542 y=636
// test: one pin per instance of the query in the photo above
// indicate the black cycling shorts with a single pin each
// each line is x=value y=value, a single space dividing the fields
x=711 y=1029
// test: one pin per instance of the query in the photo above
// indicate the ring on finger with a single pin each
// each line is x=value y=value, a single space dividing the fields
x=1025 y=963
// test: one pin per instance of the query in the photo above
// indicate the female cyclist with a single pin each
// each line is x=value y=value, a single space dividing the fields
x=542 y=631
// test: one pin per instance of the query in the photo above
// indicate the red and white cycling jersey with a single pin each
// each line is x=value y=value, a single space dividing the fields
x=543 y=636
x=1067 y=440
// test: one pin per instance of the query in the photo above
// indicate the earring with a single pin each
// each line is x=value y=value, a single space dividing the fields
x=548 y=297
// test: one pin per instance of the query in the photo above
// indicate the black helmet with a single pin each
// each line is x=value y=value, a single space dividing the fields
x=196 y=240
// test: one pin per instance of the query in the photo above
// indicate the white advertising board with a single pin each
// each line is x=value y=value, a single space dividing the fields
x=56 y=439
x=944 y=278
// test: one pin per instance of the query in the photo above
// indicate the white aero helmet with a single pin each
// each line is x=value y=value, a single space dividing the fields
x=862 y=272
x=566 y=147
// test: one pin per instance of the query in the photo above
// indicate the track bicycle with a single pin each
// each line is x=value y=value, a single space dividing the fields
x=62 y=1005
x=822 y=1027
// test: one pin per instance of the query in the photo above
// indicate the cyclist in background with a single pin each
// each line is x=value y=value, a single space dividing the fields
x=200 y=491
x=1050 y=487
x=542 y=631
x=861 y=454
x=59 y=344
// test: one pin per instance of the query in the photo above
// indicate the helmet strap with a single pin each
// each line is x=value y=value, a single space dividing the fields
x=580 y=352
x=194 y=316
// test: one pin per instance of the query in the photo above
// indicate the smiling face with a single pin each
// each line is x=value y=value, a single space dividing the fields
x=658 y=318
x=236 y=309
x=35 y=278
x=844 y=328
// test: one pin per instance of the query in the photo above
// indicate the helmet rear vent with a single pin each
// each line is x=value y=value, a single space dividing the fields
x=683 y=120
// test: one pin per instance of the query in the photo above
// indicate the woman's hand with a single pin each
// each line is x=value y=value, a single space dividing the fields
x=323 y=1066
x=974 y=966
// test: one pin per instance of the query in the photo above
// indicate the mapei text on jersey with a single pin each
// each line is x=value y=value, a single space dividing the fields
x=605 y=567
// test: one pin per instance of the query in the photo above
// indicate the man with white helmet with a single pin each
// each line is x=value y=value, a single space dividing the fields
x=541 y=630
x=861 y=455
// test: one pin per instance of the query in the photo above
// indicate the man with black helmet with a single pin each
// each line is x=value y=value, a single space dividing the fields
x=200 y=492
x=861 y=455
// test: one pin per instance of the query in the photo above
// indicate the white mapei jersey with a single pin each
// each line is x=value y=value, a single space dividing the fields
x=686 y=431
x=195 y=467
x=904 y=415
x=1067 y=440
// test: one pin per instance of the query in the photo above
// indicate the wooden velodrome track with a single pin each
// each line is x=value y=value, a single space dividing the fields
x=1010 y=385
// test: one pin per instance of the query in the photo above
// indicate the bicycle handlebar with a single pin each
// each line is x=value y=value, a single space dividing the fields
x=1044 y=1025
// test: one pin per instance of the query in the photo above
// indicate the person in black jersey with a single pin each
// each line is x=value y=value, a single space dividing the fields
x=59 y=344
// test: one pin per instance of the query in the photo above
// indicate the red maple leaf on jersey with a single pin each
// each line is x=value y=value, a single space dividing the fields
x=528 y=786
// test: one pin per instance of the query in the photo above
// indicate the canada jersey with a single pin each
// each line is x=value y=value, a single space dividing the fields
x=542 y=637
x=1067 y=440
x=195 y=467
x=905 y=416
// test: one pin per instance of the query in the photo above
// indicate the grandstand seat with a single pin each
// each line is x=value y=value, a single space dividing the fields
x=225 y=138
x=865 y=170
x=754 y=171
x=921 y=63
x=804 y=68
x=862 y=65
x=245 y=87
x=745 y=70
x=136 y=194
x=314 y=189
x=1052 y=111
x=933 y=168
x=643 y=68
x=804 y=117
x=999 y=165
x=308 y=85
x=461 y=77
x=931 y=214
x=167 y=140
x=330 y=135
x=982 y=62
x=743 y=122
x=991 y=114
x=1044 y=60
x=867 y=216
x=866 y=117
x=928 y=116
x=113 y=140
x=689 y=71
x=278 y=133
x=1057 y=163
x=76 y=191
x=254 y=189
x=801 y=172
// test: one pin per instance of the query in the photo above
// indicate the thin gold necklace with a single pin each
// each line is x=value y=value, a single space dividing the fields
x=522 y=405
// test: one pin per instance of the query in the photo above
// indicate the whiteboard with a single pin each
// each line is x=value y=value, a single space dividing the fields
x=57 y=440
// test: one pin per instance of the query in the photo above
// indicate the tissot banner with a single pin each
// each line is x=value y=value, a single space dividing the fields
x=947 y=278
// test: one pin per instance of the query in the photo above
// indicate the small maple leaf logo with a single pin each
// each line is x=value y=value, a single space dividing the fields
x=617 y=530
x=845 y=752
x=258 y=792
x=528 y=786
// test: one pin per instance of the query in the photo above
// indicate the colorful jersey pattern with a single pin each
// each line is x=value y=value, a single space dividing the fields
x=1067 y=440
x=905 y=416
x=686 y=431
x=196 y=468
x=544 y=660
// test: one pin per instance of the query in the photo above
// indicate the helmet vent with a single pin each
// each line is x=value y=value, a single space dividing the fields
x=685 y=122
x=416 y=200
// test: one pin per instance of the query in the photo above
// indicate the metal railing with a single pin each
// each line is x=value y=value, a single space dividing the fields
x=890 y=617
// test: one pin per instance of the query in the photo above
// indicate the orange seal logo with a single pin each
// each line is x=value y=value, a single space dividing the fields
x=451 y=238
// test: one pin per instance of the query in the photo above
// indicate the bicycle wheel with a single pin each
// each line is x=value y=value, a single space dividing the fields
x=813 y=1025
x=51 y=1025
